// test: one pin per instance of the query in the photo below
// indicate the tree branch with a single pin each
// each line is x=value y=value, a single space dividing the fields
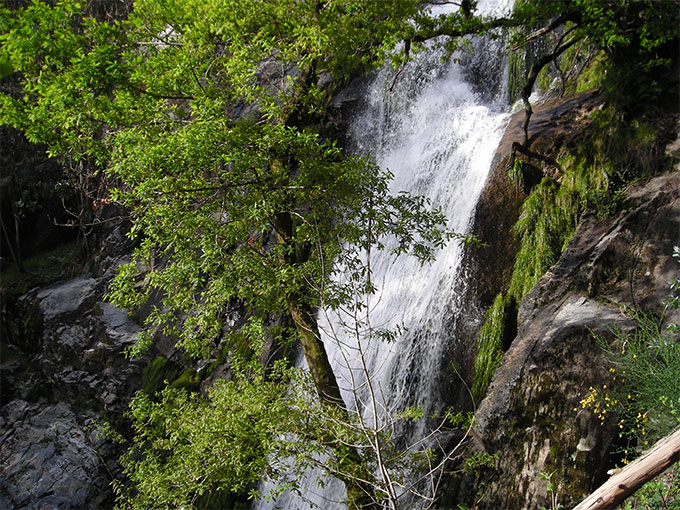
x=560 y=20
x=665 y=453
x=469 y=29
x=531 y=80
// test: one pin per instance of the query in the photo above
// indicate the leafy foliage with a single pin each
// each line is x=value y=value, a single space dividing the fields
x=207 y=117
x=662 y=492
x=187 y=445
x=224 y=200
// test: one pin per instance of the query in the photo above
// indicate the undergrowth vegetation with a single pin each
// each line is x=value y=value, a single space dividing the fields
x=662 y=493
x=644 y=398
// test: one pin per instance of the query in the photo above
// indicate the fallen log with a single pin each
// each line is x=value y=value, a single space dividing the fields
x=628 y=480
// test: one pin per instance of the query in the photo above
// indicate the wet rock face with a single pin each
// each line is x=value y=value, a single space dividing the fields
x=63 y=372
x=555 y=124
x=529 y=413
x=50 y=459
x=78 y=355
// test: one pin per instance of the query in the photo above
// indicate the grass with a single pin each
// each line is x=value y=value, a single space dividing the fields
x=548 y=219
x=662 y=493
x=490 y=346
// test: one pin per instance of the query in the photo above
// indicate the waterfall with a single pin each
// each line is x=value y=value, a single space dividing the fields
x=436 y=130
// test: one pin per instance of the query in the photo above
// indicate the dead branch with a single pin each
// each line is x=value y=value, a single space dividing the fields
x=665 y=453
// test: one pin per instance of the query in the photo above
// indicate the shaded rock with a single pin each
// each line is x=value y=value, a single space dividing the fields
x=115 y=249
x=531 y=412
x=118 y=325
x=67 y=297
x=555 y=123
x=48 y=460
x=69 y=372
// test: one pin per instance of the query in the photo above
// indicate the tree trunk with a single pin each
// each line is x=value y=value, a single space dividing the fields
x=315 y=354
x=352 y=468
x=623 y=484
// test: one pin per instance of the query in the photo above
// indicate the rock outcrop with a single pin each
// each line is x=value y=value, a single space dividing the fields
x=64 y=374
x=531 y=413
x=556 y=124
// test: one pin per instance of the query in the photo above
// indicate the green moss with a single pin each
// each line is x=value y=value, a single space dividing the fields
x=549 y=217
x=631 y=148
x=591 y=76
x=188 y=379
x=517 y=71
x=545 y=79
x=490 y=342
x=548 y=220
x=581 y=68
x=155 y=374
x=541 y=226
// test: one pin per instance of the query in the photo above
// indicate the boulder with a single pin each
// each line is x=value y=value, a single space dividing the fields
x=58 y=382
x=69 y=297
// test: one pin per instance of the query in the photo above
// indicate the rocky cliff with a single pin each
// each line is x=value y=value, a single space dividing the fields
x=530 y=427
x=64 y=375
x=530 y=413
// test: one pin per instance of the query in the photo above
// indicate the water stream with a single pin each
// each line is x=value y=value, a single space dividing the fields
x=436 y=130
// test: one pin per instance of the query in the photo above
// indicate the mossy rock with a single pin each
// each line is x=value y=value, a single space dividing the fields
x=494 y=338
x=156 y=373
x=188 y=380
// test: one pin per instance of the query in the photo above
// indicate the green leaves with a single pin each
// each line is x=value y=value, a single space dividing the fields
x=207 y=117
x=187 y=445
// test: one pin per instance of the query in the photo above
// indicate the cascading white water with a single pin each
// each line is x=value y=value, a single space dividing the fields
x=437 y=132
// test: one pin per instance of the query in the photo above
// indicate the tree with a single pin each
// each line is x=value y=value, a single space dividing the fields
x=245 y=207
x=638 y=40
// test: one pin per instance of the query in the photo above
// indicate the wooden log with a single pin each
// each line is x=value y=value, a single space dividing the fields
x=643 y=469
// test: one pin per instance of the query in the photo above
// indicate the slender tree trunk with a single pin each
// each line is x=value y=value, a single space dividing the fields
x=353 y=471
x=315 y=354
x=352 y=468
